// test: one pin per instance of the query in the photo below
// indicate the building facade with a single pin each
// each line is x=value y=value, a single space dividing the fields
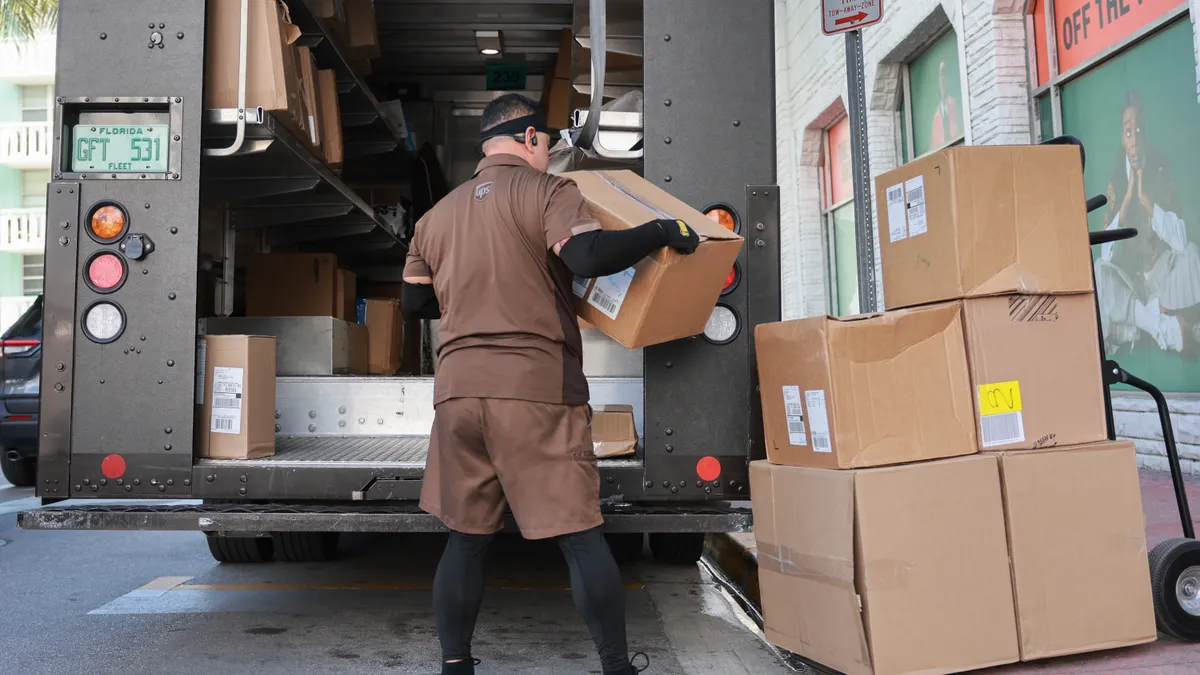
x=26 y=109
x=1121 y=75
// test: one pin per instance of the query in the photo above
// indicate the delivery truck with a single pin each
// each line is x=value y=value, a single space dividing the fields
x=169 y=176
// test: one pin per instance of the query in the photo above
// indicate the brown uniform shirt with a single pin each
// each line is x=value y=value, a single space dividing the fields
x=508 y=327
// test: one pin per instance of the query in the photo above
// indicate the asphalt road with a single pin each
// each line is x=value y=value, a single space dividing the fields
x=129 y=603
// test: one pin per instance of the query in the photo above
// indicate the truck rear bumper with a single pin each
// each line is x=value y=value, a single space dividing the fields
x=256 y=519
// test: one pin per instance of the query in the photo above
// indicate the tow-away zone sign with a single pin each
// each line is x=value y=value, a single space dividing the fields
x=839 y=16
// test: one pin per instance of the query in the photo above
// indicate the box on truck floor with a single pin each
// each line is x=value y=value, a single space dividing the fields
x=886 y=571
x=667 y=295
x=614 y=433
x=1035 y=369
x=237 y=417
x=292 y=284
x=983 y=220
x=867 y=390
x=1078 y=543
x=385 y=329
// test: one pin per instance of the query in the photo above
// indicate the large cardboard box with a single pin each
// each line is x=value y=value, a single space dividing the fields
x=237 y=417
x=1035 y=369
x=346 y=298
x=385 y=327
x=983 y=220
x=868 y=390
x=308 y=89
x=668 y=295
x=886 y=571
x=614 y=433
x=272 y=72
x=331 y=118
x=292 y=284
x=363 y=29
x=1078 y=543
x=556 y=102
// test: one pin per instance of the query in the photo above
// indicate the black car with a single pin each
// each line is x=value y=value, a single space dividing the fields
x=20 y=384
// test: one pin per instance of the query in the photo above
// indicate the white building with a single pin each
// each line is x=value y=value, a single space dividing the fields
x=26 y=110
x=1121 y=75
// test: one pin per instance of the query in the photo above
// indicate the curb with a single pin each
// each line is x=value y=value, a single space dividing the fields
x=735 y=555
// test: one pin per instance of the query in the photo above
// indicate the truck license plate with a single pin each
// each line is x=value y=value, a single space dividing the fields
x=120 y=149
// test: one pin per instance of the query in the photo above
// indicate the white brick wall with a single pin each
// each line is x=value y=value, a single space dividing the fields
x=811 y=88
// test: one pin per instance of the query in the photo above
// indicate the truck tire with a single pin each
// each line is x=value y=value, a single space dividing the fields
x=305 y=546
x=626 y=547
x=19 y=472
x=1175 y=585
x=240 y=549
x=674 y=548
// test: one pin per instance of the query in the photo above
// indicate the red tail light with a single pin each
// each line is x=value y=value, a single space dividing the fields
x=16 y=347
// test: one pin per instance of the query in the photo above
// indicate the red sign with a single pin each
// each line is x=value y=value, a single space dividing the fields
x=841 y=166
x=1084 y=28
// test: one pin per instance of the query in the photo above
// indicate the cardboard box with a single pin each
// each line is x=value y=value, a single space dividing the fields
x=613 y=431
x=272 y=71
x=346 y=297
x=362 y=30
x=1077 y=538
x=385 y=327
x=868 y=390
x=331 y=118
x=1035 y=370
x=983 y=220
x=556 y=102
x=886 y=571
x=668 y=295
x=308 y=88
x=237 y=418
x=292 y=284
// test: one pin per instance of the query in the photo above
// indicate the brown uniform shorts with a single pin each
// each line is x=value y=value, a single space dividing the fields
x=537 y=458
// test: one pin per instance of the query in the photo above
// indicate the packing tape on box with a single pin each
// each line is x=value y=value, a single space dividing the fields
x=885 y=574
x=655 y=210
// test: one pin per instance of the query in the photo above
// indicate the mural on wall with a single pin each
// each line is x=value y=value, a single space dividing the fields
x=1136 y=115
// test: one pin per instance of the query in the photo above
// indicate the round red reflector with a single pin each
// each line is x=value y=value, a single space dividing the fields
x=113 y=467
x=106 y=271
x=708 y=468
x=730 y=279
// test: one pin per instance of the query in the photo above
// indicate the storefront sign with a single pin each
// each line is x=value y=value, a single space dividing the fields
x=1084 y=28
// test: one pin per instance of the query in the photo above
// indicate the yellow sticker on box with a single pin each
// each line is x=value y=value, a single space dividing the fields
x=999 y=398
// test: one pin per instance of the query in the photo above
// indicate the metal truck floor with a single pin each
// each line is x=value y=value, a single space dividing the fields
x=401 y=452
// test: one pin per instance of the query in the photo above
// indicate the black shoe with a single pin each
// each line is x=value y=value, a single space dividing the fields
x=464 y=667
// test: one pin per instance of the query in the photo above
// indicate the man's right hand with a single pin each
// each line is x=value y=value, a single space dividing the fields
x=679 y=235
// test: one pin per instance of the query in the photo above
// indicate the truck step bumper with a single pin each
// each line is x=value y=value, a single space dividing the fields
x=255 y=519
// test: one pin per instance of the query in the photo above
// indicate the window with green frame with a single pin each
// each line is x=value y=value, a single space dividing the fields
x=931 y=100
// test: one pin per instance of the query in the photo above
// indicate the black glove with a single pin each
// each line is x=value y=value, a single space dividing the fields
x=678 y=235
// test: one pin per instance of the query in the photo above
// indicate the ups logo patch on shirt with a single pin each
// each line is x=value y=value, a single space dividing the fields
x=483 y=190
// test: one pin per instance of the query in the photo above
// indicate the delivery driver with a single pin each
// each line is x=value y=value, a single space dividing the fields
x=494 y=260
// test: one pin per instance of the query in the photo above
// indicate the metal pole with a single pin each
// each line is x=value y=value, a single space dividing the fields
x=864 y=227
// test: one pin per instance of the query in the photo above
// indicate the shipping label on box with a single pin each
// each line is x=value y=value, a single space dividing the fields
x=868 y=390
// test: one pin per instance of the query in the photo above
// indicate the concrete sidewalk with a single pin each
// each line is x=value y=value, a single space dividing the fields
x=736 y=557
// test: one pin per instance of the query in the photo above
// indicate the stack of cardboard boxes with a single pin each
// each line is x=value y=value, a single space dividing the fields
x=939 y=495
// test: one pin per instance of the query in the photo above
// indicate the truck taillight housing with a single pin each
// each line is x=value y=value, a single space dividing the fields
x=107 y=222
x=724 y=216
x=103 y=321
x=105 y=272
x=731 y=281
x=723 y=325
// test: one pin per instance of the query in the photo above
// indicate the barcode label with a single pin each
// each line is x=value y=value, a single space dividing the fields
x=897 y=223
x=227 y=400
x=796 y=435
x=818 y=420
x=914 y=189
x=579 y=286
x=608 y=293
x=793 y=412
x=201 y=364
x=1002 y=429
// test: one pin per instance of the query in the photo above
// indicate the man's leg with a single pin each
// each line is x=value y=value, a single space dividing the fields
x=599 y=595
x=457 y=594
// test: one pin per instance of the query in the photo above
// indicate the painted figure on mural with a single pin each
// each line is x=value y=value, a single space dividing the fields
x=1149 y=286
x=947 y=125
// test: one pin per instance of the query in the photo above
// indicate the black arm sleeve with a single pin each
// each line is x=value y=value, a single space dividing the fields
x=417 y=301
x=603 y=252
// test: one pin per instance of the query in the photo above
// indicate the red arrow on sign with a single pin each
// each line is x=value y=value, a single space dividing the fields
x=850 y=19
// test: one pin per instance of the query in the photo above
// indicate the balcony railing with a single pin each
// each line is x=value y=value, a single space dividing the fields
x=22 y=230
x=25 y=145
x=28 y=62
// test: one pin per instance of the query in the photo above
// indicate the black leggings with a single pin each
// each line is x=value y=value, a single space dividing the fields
x=595 y=586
